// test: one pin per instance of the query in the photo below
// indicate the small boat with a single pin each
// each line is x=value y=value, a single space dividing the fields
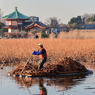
x=53 y=74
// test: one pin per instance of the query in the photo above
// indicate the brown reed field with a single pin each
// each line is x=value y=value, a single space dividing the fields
x=77 y=34
x=16 y=50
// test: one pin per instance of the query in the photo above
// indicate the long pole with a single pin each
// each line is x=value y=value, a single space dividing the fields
x=25 y=64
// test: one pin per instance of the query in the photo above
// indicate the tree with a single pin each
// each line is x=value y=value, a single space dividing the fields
x=44 y=35
x=75 y=22
x=1 y=14
x=79 y=20
x=85 y=16
x=52 y=22
x=90 y=19
x=1 y=25
x=2 y=29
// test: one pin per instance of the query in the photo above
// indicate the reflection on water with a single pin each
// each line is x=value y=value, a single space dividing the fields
x=67 y=85
x=62 y=83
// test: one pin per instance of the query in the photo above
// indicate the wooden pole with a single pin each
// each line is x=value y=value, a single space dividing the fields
x=26 y=64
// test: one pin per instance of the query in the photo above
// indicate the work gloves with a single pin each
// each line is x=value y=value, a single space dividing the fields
x=36 y=52
x=33 y=52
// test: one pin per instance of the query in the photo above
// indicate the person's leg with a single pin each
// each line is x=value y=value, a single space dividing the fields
x=41 y=63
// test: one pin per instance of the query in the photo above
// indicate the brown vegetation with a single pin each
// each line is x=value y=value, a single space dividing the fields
x=52 y=35
x=16 y=50
x=77 y=34
x=65 y=65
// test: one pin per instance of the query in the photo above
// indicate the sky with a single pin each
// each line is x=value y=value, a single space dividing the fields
x=62 y=9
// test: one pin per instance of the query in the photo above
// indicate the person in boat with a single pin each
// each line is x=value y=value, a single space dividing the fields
x=42 y=55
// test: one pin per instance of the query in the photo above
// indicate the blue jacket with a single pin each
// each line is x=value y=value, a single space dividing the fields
x=36 y=52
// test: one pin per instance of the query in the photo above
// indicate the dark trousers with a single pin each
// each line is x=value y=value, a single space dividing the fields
x=41 y=63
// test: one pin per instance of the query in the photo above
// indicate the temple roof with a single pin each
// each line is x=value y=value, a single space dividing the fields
x=35 y=24
x=15 y=15
x=27 y=25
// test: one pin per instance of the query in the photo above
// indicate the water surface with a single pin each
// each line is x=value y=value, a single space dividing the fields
x=68 y=85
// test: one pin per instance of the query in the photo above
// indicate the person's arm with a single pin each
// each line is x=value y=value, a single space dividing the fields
x=40 y=52
x=36 y=52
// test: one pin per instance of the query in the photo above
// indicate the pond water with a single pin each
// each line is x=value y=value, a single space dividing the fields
x=68 y=85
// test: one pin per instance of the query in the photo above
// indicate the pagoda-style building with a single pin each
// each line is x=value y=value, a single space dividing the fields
x=17 y=22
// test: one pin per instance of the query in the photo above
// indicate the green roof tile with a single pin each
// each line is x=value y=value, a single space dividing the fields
x=16 y=15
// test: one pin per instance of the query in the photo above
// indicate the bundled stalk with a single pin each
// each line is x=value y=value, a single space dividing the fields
x=66 y=65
